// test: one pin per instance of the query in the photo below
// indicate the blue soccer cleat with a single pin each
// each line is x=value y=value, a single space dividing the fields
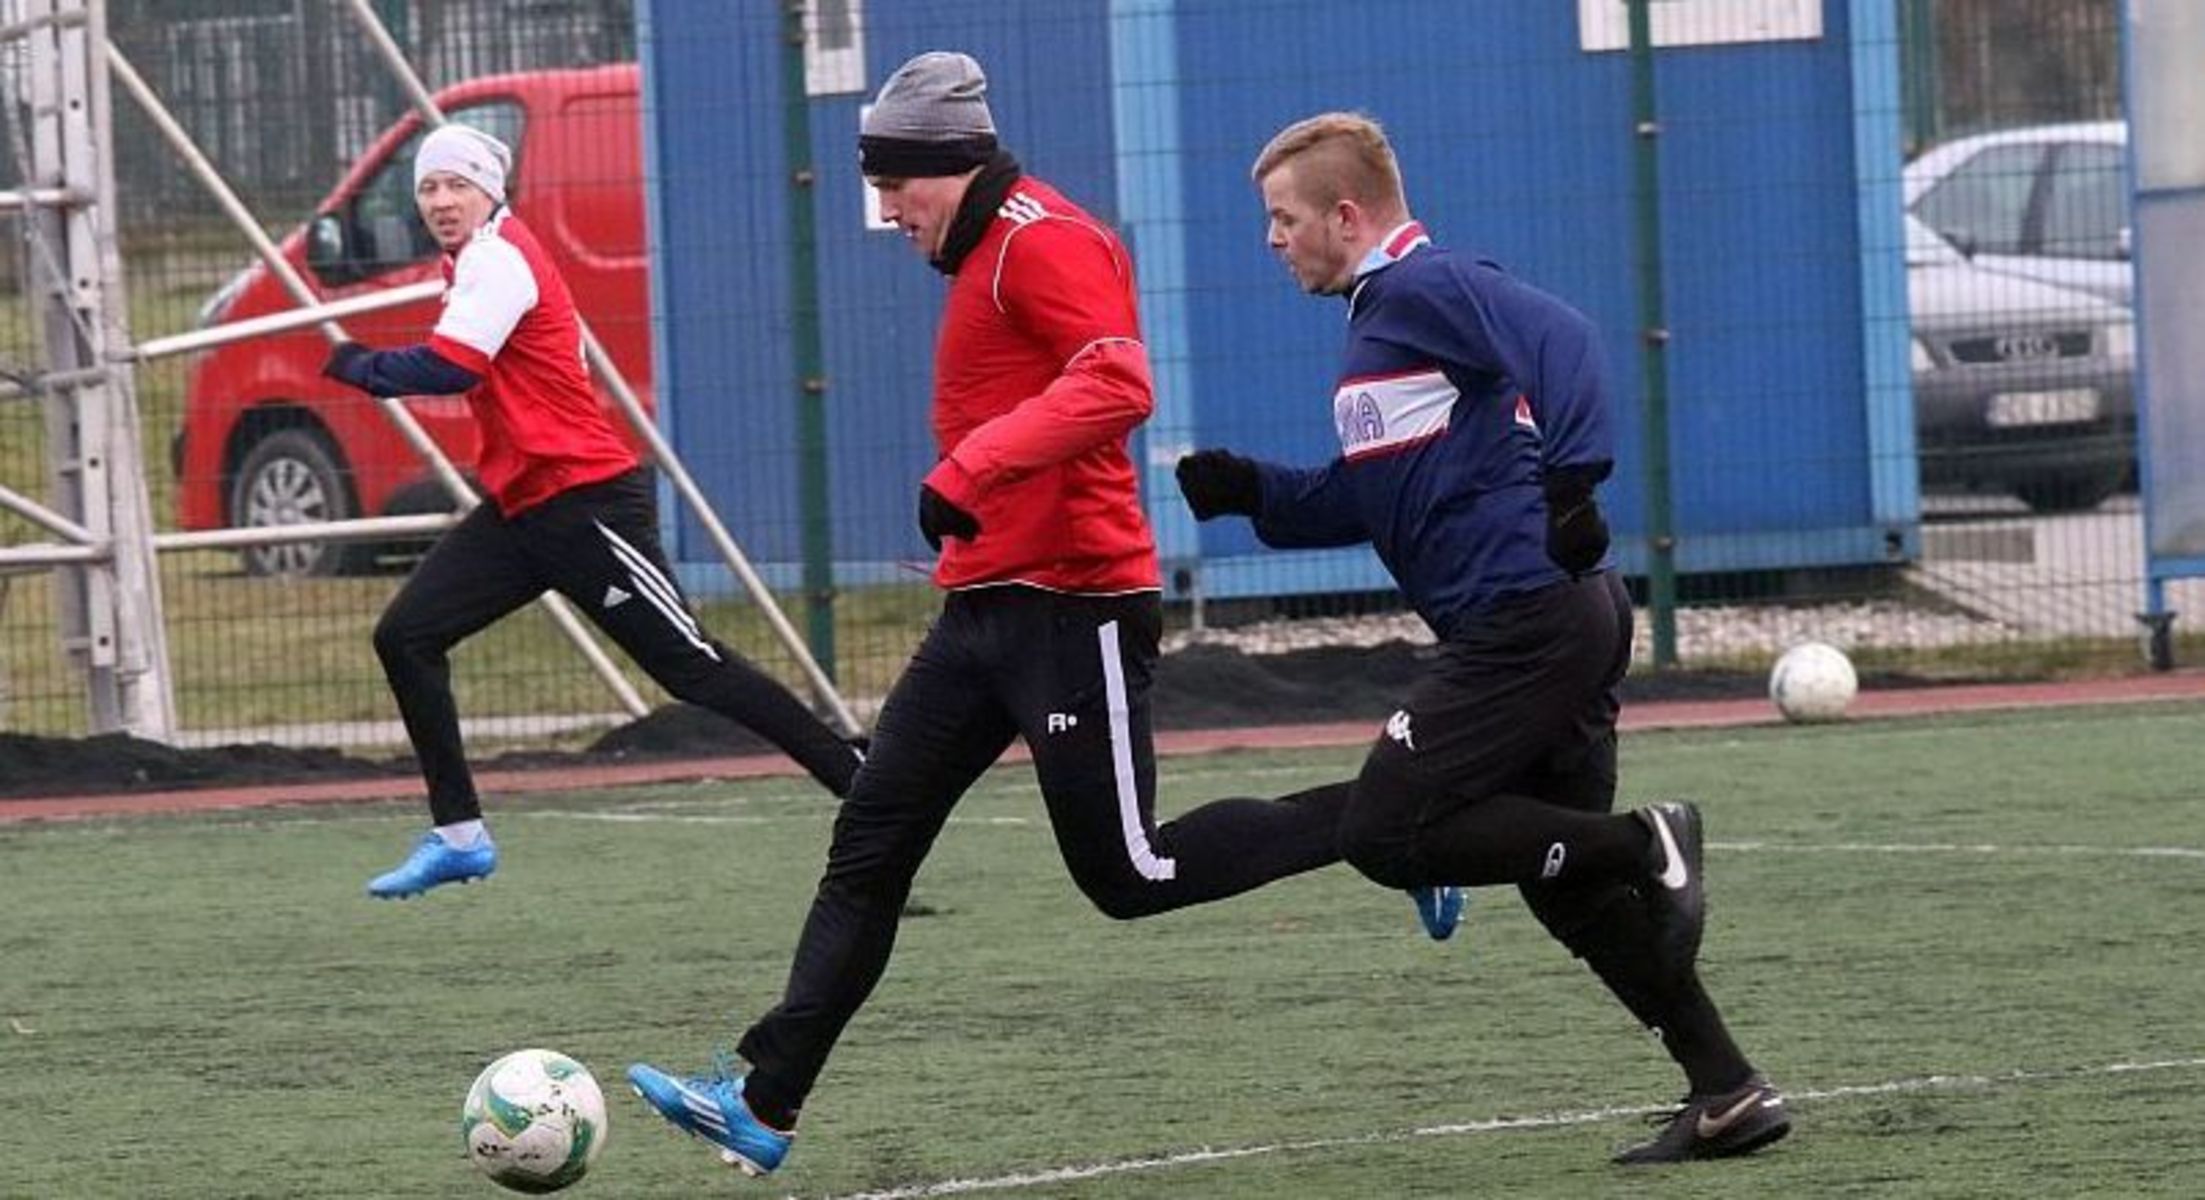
x=433 y=862
x=1440 y=908
x=712 y=1107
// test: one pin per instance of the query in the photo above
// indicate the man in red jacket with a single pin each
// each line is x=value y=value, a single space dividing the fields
x=1050 y=624
x=570 y=509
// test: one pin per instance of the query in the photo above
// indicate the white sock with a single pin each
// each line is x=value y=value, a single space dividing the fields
x=463 y=835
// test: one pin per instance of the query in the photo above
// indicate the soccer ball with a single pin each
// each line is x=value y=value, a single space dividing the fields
x=1813 y=681
x=534 y=1121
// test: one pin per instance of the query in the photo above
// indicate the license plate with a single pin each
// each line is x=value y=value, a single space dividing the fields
x=2063 y=407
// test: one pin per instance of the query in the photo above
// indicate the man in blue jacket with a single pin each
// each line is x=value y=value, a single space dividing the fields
x=1474 y=430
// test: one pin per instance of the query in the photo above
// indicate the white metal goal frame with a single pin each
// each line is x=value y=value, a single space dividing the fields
x=104 y=544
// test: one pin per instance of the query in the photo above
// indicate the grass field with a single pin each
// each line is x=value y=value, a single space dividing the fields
x=1969 y=947
x=253 y=653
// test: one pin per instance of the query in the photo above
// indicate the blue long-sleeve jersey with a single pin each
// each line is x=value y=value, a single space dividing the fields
x=1460 y=386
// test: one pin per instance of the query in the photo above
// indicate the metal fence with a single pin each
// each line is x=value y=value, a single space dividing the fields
x=283 y=94
x=2014 y=549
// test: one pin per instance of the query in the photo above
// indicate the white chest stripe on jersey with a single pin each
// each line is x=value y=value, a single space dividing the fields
x=1378 y=416
x=1023 y=212
x=492 y=289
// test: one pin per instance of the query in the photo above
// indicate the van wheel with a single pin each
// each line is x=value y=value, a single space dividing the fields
x=289 y=477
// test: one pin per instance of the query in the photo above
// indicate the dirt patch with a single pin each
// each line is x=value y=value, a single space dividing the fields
x=1202 y=687
x=677 y=731
x=1210 y=687
x=117 y=762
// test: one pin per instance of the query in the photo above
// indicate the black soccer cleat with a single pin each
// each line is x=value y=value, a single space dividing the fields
x=1676 y=891
x=1725 y=1126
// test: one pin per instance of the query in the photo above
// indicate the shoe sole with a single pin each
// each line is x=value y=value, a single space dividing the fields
x=730 y=1158
x=1757 y=1140
x=464 y=879
x=727 y=1157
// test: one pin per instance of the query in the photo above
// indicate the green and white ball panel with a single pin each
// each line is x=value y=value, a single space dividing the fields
x=534 y=1121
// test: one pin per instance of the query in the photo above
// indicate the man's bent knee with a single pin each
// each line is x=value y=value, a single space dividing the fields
x=1381 y=832
x=1383 y=861
x=1126 y=899
x=1384 y=850
x=395 y=638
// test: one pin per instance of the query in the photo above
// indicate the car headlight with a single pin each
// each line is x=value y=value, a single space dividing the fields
x=1920 y=358
x=2118 y=340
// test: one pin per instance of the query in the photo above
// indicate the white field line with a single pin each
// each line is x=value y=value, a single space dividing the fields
x=1976 y=848
x=1979 y=849
x=810 y=809
x=1563 y=1120
x=818 y=818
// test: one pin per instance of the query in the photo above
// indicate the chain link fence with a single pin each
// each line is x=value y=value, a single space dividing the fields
x=2021 y=558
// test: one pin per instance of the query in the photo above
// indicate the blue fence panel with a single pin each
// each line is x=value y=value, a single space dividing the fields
x=1516 y=143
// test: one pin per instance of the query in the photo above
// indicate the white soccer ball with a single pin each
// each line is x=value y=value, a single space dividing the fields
x=534 y=1121
x=1813 y=681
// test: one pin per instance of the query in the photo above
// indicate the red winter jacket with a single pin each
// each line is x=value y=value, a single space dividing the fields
x=509 y=318
x=1039 y=378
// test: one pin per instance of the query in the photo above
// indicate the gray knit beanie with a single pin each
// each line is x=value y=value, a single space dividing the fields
x=930 y=118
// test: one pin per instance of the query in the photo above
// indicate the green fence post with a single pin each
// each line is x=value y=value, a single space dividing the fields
x=811 y=378
x=1661 y=542
x=1918 y=75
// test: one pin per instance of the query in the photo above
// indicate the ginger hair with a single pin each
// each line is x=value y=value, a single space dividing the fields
x=1338 y=156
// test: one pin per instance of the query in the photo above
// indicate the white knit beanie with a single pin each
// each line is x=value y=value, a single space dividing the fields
x=467 y=152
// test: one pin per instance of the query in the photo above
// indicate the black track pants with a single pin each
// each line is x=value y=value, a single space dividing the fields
x=598 y=546
x=1069 y=674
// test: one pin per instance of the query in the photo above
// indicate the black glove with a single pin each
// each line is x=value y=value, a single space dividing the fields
x=1217 y=482
x=1577 y=535
x=343 y=363
x=938 y=518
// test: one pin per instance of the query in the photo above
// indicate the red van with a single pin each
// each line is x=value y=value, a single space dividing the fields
x=266 y=440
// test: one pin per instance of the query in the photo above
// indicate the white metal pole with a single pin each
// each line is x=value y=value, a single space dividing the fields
x=22 y=505
x=148 y=681
x=297 y=318
x=110 y=604
x=737 y=561
x=641 y=420
x=47 y=554
x=561 y=613
x=359 y=530
x=96 y=549
x=43 y=197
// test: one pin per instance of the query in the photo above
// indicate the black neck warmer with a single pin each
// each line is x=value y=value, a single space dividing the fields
x=982 y=198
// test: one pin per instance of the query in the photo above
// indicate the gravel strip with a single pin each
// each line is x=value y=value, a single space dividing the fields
x=1703 y=633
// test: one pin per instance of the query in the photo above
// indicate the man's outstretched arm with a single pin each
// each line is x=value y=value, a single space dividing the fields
x=413 y=371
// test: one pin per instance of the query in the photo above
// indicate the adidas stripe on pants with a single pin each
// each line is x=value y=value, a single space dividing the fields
x=598 y=546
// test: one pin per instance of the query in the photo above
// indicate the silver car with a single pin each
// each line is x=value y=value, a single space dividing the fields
x=2046 y=202
x=2019 y=386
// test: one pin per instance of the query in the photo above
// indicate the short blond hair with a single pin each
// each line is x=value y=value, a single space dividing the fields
x=1345 y=156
